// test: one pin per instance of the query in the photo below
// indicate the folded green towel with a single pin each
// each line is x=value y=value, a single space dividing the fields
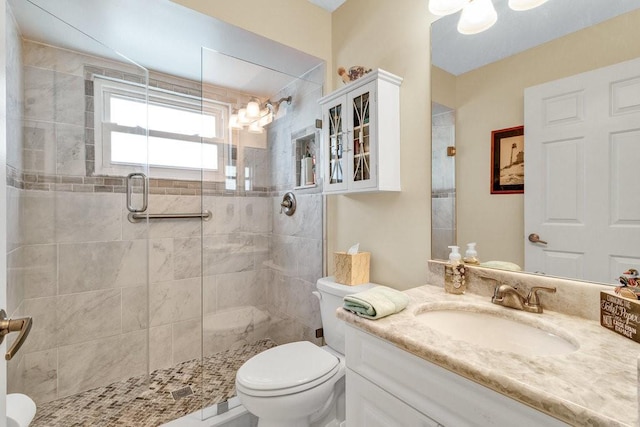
x=376 y=302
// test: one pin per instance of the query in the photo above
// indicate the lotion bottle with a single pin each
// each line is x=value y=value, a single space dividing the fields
x=471 y=255
x=454 y=273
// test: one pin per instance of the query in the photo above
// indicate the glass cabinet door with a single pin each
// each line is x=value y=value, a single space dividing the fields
x=362 y=161
x=336 y=146
x=361 y=148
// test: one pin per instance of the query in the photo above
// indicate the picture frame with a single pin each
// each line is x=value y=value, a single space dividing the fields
x=507 y=160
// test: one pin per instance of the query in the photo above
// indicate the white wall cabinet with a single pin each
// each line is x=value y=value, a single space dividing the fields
x=361 y=135
x=389 y=386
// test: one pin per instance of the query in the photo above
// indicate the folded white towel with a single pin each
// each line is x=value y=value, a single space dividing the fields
x=376 y=302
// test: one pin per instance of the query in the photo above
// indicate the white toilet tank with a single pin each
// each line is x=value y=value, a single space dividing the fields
x=331 y=294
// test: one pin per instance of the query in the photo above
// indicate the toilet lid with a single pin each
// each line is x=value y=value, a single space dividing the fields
x=286 y=366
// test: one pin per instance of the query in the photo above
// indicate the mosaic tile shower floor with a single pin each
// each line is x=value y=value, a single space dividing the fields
x=146 y=401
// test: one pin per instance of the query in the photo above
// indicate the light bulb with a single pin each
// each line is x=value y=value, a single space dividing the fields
x=233 y=122
x=253 y=109
x=446 y=7
x=477 y=16
x=242 y=116
x=255 y=128
x=521 y=5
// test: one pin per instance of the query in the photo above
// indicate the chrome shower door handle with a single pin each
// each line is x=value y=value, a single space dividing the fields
x=23 y=326
x=145 y=192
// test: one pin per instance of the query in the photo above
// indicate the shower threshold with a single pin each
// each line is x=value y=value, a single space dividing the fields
x=147 y=401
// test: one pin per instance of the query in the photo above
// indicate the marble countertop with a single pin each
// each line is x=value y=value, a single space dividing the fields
x=596 y=385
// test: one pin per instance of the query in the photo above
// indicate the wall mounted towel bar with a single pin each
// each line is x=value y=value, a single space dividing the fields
x=138 y=217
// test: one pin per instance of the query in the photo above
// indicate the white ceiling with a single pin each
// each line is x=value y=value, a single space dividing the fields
x=329 y=5
x=163 y=36
x=516 y=31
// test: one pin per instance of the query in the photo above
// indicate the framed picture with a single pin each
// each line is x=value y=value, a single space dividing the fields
x=507 y=161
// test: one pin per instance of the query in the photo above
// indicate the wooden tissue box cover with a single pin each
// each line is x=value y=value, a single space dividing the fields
x=352 y=269
x=621 y=315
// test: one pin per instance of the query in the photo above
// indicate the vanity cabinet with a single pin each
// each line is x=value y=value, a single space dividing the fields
x=388 y=386
x=369 y=405
x=361 y=135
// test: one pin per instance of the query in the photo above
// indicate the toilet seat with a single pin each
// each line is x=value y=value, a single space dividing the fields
x=286 y=369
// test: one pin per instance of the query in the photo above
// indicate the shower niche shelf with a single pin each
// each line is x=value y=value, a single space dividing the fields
x=304 y=151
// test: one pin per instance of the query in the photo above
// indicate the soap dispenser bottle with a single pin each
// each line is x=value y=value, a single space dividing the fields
x=471 y=255
x=454 y=273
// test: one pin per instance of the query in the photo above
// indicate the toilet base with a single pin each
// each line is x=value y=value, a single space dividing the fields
x=20 y=410
x=335 y=414
x=331 y=415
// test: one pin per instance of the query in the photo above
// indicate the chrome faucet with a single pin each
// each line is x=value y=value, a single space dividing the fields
x=509 y=296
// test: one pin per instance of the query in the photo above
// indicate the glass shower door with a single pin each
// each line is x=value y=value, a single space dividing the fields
x=77 y=266
x=257 y=261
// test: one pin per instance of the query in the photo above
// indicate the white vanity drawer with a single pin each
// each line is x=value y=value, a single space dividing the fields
x=446 y=397
x=370 y=406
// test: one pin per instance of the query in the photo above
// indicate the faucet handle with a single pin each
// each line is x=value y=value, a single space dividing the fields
x=533 y=298
x=498 y=291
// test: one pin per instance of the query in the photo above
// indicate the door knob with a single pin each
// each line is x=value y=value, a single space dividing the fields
x=534 y=238
x=23 y=326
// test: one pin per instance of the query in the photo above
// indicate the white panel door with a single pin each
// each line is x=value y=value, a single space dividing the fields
x=582 y=166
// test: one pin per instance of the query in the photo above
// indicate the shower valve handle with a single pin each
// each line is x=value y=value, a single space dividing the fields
x=285 y=205
x=288 y=204
x=23 y=326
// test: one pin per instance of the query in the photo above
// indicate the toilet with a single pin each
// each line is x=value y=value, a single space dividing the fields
x=300 y=384
x=21 y=410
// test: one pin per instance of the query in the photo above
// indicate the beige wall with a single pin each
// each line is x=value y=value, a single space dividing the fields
x=492 y=98
x=443 y=87
x=295 y=23
x=394 y=227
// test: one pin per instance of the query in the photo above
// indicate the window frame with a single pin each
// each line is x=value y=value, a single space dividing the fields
x=105 y=87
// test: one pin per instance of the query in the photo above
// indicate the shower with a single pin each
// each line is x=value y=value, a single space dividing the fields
x=208 y=273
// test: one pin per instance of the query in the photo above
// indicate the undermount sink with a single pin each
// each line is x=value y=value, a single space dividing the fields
x=496 y=331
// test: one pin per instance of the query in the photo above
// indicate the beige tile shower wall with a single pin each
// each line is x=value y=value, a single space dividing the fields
x=80 y=281
x=85 y=287
x=296 y=265
x=81 y=267
x=296 y=244
x=14 y=102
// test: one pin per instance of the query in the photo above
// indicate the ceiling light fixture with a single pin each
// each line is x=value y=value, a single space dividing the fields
x=446 y=7
x=521 y=5
x=477 y=15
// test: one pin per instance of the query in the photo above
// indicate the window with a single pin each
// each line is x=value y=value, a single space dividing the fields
x=185 y=133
